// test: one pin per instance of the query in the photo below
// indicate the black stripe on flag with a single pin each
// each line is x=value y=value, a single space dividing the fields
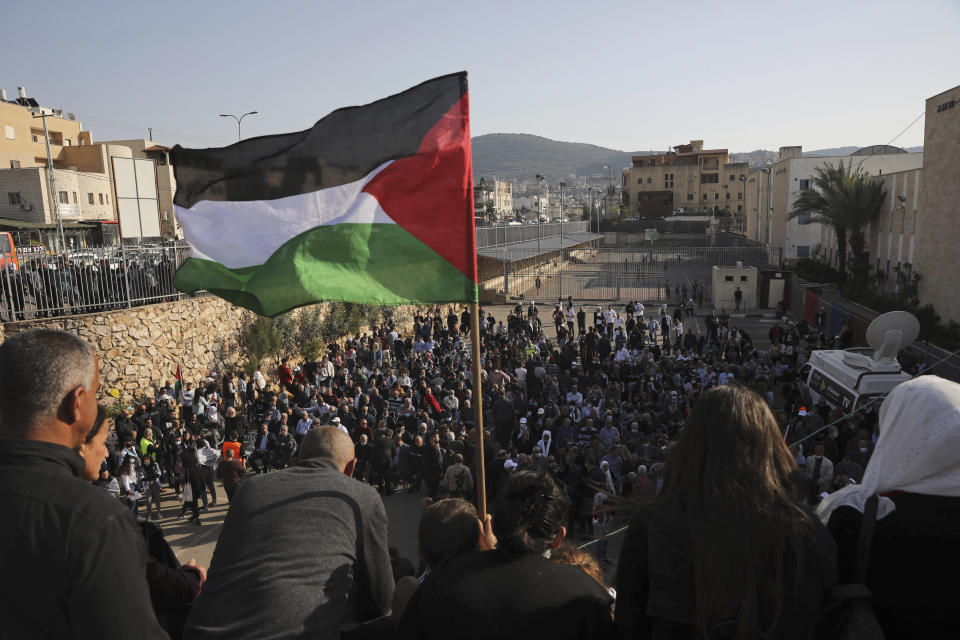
x=343 y=147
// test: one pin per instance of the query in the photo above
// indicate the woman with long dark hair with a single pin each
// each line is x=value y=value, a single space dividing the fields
x=513 y=591
x=726 y=550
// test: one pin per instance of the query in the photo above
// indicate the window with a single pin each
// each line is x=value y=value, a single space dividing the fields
x=743 y=278
x=89 y=198
x=74 y=197
x=649 y=180
x=803 y=218
x=689 y=196
x=733 y=178
x=14 y=198
x=14 y=164
x=716 y=196
x=9 y=132
x=34 y=137
x=728 y=278
x=101 y=198
x=803 y=251
x=639 y=180
x=66 y=142
x=804 y=185
x=63 y=198
x=728 y=195
x=709 y=178
x=704 y=197
x=739 y=208
x=108 y=198
x=668 y=181
x=739 y=195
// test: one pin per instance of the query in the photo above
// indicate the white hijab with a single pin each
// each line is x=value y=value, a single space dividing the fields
x=545 y=443
x=607 y=478
x=918 y=449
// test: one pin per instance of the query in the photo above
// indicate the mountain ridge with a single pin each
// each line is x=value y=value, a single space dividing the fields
x=520 y=156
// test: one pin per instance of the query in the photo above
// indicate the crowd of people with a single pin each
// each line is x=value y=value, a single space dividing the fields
x=709 y=447
x=43 y=287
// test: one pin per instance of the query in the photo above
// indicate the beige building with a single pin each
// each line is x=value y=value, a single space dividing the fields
x=772 y=190
x=690 y=178
x=85 y=192
x=939 y=227
x=21 y=134
x=892 y=240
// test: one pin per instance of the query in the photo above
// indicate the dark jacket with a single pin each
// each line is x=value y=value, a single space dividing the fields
x=485 y=594
x=656 y=596
x=78 y=565
x=913 y=549
x=264 y=556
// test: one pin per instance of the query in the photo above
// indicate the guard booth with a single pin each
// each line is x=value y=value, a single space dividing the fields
x=725 y=283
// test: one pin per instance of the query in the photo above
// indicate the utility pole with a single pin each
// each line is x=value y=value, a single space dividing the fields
x=54 y=196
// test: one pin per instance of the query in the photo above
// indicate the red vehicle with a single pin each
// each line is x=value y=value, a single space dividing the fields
x=8 y=252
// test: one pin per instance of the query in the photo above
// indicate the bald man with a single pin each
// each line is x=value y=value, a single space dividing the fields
x=303 y=551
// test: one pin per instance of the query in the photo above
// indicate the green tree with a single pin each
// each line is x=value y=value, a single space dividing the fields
x=846 y=201
x=259 y=340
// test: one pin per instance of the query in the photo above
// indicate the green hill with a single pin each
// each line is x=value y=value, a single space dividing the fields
x=520 y=156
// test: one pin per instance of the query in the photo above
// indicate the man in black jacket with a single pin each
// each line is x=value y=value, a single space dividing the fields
x=74 y=544
x=309 y=590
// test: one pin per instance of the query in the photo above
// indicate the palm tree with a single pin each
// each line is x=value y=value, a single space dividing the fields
x=846 y=201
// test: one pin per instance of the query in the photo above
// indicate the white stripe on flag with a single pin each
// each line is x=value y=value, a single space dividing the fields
x=245 y=234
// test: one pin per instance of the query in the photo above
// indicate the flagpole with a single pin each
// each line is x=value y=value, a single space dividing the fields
x=481 y=479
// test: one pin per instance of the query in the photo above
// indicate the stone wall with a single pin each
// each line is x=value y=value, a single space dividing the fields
x=140 y=348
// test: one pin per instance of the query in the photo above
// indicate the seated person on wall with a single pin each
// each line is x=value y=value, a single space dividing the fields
x=916 y=468
x=300 y=590
x=513 y=591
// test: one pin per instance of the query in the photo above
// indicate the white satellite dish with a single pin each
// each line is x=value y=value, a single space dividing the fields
x=891 y=332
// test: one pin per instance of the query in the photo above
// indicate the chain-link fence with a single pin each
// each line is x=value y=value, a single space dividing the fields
x=88 y=280
x=658 y=274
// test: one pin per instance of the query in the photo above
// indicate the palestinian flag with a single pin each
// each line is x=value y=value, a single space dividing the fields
x=178 y=385
x=373 y=204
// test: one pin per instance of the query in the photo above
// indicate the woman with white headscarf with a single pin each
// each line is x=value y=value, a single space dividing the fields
x=915 y=468
x=546 y=440
x=608 y=485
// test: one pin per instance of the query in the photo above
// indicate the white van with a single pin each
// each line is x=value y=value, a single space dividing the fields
x=850 y=378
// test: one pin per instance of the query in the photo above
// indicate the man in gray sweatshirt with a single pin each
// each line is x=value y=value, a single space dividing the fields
x=303 y=552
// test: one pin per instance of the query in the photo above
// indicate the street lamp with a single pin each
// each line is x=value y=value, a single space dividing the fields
x=766 y=214
x=539 y=206
x=239 y=120
x=743 y=206
x=562 y=185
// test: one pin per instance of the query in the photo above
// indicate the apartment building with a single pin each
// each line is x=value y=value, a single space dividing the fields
x=99 y=193
x=772 y=190
x=939 y=228
x=689 y=177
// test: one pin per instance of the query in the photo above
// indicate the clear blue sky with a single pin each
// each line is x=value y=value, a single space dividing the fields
x=628 y=75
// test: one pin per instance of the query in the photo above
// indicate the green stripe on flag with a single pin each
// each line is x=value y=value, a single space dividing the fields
x=366 y=263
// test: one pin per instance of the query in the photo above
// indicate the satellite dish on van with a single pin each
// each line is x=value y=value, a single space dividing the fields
x=891 y=332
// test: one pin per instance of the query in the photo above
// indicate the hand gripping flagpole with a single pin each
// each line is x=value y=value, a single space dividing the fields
x=481 y=479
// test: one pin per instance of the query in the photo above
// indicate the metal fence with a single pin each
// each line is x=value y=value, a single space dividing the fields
x=88 y=280
x=656 y=274
x=512 y=234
